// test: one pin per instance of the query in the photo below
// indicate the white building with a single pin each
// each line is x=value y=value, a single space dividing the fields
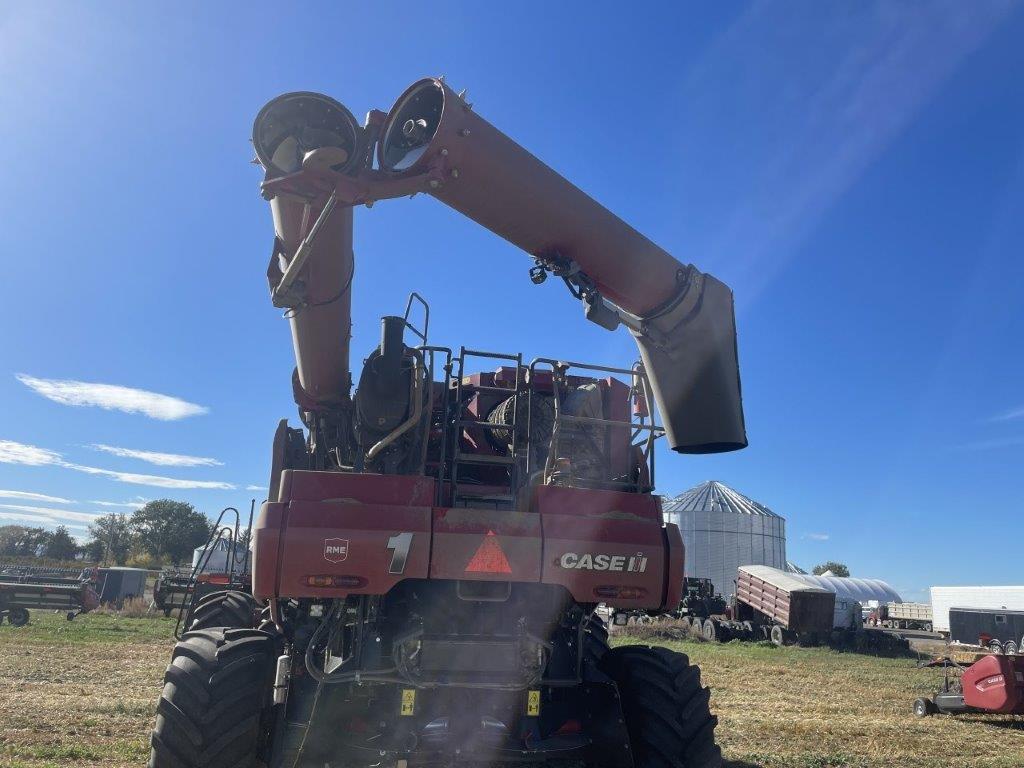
x=722 y=530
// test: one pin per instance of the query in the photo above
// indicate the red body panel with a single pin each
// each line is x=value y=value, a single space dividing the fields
x=995 y=684
x=602 y=546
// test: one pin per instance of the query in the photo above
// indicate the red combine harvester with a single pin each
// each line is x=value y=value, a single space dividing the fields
x=435 y=544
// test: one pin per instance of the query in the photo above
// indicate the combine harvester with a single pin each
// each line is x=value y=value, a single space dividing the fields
x=435 y=545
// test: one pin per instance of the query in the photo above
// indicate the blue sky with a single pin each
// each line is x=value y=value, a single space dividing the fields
x=854 y=170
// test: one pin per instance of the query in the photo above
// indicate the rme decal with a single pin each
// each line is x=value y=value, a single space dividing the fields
x=335 y=550
x=587 y=562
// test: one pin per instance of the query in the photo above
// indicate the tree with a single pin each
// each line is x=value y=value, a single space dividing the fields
x=60 y=545
x=838 y=569
x=110 y=539
x=169 y=530
x=22 y=541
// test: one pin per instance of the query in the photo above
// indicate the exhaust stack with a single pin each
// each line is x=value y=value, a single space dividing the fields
x=683 y=320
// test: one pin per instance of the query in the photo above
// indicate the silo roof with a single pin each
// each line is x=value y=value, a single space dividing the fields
x=714 y=496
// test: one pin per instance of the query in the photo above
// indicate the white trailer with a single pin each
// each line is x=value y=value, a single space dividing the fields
x=944 y=598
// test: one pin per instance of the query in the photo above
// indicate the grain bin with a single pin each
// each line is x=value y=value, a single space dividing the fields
x=722 y=530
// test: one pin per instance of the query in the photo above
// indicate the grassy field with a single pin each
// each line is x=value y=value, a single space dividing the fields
x=81 y=693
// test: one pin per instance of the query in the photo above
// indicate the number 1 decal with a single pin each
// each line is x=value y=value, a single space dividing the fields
x=401 y=545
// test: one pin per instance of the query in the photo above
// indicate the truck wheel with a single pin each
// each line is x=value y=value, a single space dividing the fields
x=710 y=630
x=1010 y=649
x=923 y=708
x=18 y=617
x=229 y=608
x=214 y=709
x=778 y=636
x=665 y=708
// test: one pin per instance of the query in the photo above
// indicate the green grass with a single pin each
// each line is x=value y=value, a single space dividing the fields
x=48 y=628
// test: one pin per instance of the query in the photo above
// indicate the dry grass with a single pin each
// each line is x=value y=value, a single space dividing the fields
x=82 y=693
x=817 y=708
x=135 y=608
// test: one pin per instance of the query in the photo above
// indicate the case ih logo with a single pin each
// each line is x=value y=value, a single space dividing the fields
x=335 y=550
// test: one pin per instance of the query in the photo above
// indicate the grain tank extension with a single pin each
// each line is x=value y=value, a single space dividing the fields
x=437 y=539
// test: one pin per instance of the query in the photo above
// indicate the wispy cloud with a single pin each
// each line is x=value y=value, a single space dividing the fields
x=155 y=457
x=156 y=481
x=12 y=452
x=53 y=514
x=112 y=397
x=28 y=496
x=140 y=502
x=19 y=453
x=992 y=444
x=1010 y=415
x=255 y=488
x=816 y=536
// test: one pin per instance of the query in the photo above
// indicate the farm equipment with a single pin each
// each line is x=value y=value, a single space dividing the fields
x=772 y=605
x=904 y=616
x=220 y=578
x=23 y=589
x=999 y=630
x=436 y=544
x=993 y=684
x=787 y=608
x=700 y=601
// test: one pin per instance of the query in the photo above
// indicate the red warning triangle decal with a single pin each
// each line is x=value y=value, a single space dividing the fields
x=489 y=558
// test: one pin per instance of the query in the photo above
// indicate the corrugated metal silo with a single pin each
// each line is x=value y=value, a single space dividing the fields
x=722 y=530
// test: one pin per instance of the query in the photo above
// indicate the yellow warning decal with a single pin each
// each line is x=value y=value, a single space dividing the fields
x=532 y=703
x=408 y=701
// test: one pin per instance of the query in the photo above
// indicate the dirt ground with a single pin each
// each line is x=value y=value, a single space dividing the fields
x=82 y=693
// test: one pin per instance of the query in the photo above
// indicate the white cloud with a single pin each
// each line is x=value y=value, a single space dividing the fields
x=157 y=481
x=19 y=453
x=996 y=442
x=59 y=515
x=28 y=496
x=1010 y=415
x=112 y=397
x=255 y=488
x=155 y=457
x=12 y=452
x=816 y=536
x=140 y=502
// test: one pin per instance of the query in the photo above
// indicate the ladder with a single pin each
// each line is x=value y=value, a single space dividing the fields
x=466 y=497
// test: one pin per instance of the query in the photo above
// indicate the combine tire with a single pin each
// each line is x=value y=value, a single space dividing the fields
x=215 y=705
x=18 y=617
x=228 y=608
x=665 y=707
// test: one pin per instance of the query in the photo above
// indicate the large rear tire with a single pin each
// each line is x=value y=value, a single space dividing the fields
x=227 y=608
x=214 y=710
x=665 y=707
